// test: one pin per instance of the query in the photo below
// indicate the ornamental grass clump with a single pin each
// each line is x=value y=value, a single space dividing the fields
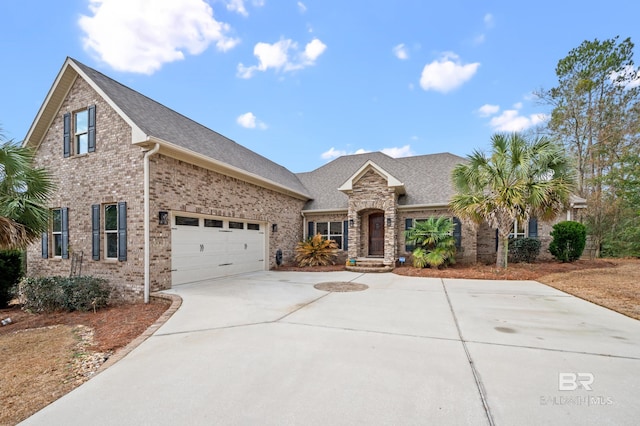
x=316 y=251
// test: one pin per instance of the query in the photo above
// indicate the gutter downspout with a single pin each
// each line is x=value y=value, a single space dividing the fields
x=147 y=223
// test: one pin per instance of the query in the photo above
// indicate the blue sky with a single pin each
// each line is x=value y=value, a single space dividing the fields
x=301 y=82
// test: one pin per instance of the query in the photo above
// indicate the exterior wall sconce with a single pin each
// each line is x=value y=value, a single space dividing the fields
x=350 y=223
x=274 y=227
x=388 y=221
x=163 y=218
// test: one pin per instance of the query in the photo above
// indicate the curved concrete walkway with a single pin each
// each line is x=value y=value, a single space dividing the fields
x=268 y=348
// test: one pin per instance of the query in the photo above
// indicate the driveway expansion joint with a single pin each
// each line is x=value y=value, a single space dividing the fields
x=635 y=358
x=474 y=371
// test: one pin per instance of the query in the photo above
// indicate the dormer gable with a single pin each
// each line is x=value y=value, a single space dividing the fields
x=392 y=182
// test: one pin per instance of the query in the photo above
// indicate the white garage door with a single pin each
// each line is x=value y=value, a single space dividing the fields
x=205 y=247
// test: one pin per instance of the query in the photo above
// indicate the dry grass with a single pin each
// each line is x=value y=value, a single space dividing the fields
x=44 y=356
x=616 y=288
x=35 y=370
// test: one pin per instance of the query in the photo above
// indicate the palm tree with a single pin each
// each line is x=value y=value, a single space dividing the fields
x=518 y=180
x=24 y=190
x=435 y=243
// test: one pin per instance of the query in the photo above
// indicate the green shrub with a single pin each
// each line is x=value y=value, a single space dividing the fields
x=434 y=241
x=419 y=258
x=46 y=294
x=569 y=239
x=524 y=250
x=316 y=251
x=10 y=274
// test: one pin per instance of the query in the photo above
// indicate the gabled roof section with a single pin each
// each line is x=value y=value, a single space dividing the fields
x=392 y=182
x=178 y=135
x=426 y=178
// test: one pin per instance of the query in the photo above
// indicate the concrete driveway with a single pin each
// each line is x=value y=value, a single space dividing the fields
x=268 y=348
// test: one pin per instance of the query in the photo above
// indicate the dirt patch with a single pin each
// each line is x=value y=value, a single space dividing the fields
x=340 y=286
x=45 y=356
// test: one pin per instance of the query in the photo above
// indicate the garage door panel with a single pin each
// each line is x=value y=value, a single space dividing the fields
x=200 y=253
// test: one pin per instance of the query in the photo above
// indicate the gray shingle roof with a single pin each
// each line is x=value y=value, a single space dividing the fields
x=427 y=178
x=161 y=122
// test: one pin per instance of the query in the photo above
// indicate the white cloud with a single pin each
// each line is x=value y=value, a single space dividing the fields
x=237 y=6
x=395 y=152
x=401 y=51
x=279 y=57
x=629 y=77
x=333 y=153
x=487 y=110
x=479 y=39
x=447 y=73
x=511 y=121
x=312 y=51
x=489 y=21
x=142 y=35
x=302 y=7
x=249 y=121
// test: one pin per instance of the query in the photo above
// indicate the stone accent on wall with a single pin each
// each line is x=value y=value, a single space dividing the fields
x=370 y=194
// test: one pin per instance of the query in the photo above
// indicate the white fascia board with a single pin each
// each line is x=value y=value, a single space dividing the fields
x=137 y=135
x=325 y=211
x=392 y=182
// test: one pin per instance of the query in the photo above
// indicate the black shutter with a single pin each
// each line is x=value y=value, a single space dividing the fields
x=66 y=140
x=65 y=232
x=95 y=231
x=345 y=235
x=497 y=236
x=408 y=224
x=122 y=231
x=310 y=230
x=92 y=129
x=533 y=227
x=457 y=232
x=45 y=245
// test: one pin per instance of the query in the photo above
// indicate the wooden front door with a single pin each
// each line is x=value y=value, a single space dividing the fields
x=376 y=235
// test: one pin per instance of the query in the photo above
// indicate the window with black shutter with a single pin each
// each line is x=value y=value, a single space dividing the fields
x=457 y=232
x=408 y=224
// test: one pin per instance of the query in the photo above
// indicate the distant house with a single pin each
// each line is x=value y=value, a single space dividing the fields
x=152 y=199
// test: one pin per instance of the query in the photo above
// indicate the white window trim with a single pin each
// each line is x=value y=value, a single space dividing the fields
x=76 y=134
x=329 y=235
x=514 y=230
x=53 y=235
x=106 y=232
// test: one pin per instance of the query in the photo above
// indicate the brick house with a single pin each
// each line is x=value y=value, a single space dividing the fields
x=148 y=198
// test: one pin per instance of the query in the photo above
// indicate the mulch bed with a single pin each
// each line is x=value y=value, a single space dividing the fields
x=515 y=271
x=114 y=327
